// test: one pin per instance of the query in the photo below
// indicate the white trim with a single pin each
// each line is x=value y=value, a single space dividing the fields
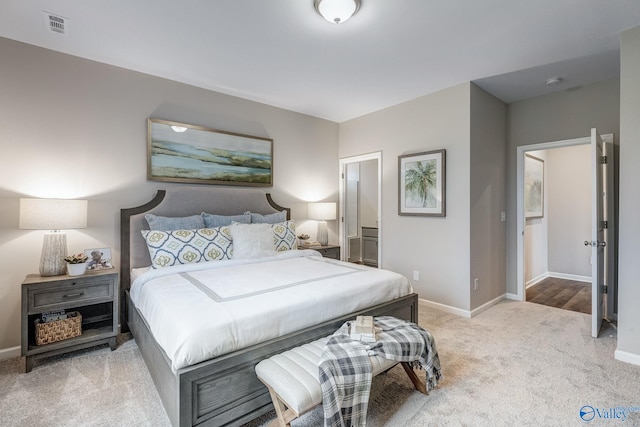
x=445 y=308
x=537 y=280
x=460 y=312
x=566 y=276
x=520 y=220
x=487 y=305
x=376 y=155
x=9 y=353
x=627 y=357
x=511 y=296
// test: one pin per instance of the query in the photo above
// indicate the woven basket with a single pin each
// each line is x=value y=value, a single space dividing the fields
x=58 y=330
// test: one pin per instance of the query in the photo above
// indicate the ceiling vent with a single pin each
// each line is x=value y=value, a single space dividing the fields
x=56 y=23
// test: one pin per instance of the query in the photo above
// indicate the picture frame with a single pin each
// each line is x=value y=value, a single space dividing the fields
x=533 y=187
x=99 y=259
x=185 y=153
x=421 y=183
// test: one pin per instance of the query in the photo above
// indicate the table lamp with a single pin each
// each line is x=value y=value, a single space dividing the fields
x=322 y=212
x=53 y=215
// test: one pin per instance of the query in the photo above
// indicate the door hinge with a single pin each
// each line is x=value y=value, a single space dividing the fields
x=604 y=224
x=603 y=160
x=605 y=289
x=342 y=175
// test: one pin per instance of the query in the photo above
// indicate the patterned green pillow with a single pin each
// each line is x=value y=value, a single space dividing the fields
x=284 y=236
x=175 y=247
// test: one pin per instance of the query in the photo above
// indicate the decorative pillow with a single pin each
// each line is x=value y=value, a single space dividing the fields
x=168 y=223
x=273 y=218
x=211 y=220
x=252 y=240
x=175 y=247
x=284 y=236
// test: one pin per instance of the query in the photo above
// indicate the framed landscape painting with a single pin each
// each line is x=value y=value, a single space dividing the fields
x=179 y=152
x=533 y=187
x=421 y=183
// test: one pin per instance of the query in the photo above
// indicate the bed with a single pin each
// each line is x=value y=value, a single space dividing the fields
x=218 y=387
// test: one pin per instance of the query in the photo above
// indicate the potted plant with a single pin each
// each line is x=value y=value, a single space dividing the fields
x=76 y=264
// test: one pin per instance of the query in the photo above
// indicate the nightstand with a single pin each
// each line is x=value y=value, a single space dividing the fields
x=329 y=251
x=94 y=295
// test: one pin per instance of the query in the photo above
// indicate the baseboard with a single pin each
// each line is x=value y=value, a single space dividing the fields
x=9 y=353
x=570 y=277
x=536 y=280
x=514 y=297
x=486 y=305
x=627 y=357
x=445 y=308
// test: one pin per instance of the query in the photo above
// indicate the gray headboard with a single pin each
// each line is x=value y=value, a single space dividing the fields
x=183 y=201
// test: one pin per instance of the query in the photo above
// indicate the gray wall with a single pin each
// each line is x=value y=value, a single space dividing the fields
x=487 y=193
x=559 y=116
x=74 y=128
x=629 y=251
x=436 y=247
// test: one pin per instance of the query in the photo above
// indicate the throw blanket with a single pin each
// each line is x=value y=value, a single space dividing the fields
x=345 y=369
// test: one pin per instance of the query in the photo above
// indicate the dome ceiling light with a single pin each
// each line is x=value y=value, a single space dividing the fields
x=337 y=11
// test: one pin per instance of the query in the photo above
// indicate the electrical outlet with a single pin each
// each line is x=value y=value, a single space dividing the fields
x=475 y=284
x=416 y=276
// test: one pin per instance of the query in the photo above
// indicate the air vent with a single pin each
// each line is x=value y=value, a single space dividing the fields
x=56 y=23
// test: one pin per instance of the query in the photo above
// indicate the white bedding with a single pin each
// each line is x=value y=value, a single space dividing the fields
x=200 y=311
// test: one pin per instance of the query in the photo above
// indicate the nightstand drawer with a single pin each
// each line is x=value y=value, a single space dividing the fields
x=77 y=293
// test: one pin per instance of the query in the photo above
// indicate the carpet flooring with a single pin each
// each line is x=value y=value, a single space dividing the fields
x=516 y=364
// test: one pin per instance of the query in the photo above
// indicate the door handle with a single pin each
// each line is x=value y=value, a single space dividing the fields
x=594 y=243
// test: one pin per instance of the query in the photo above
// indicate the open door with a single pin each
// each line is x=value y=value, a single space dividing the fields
x=598 y=224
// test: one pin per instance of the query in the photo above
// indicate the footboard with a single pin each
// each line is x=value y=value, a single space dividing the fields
x=225 y=391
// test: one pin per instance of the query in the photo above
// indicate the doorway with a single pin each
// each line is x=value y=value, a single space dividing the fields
x=599 y=248
x=361 y=204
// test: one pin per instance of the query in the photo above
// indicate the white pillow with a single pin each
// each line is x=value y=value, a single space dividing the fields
x=252 y=241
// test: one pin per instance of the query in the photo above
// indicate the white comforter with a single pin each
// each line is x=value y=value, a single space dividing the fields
x=200 y=311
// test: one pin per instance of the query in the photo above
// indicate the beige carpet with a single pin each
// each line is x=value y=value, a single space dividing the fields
x=516 y=364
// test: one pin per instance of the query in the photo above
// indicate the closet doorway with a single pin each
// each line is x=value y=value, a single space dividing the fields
x=360 y=204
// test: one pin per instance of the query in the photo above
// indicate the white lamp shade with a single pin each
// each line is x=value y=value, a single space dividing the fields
x=337 y=11
x=322 y=211
x=52 y=214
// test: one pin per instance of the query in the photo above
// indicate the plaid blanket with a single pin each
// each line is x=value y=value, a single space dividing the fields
x=345 y=369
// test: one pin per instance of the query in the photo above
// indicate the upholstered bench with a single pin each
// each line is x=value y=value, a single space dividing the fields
x=292 y=379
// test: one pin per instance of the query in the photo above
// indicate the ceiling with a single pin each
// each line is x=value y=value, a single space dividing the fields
x=282 y=53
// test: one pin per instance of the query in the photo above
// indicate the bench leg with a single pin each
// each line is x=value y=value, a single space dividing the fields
x=417 y=384
x=284 y=415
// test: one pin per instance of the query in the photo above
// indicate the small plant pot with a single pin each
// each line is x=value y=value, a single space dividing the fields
x=76 y=269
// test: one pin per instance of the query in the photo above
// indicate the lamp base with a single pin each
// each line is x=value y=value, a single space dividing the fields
x=323 y=233
x=54 y=249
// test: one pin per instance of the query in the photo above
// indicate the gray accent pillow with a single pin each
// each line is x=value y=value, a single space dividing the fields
x=273 y=218
x=211 y=220
x=168 y=223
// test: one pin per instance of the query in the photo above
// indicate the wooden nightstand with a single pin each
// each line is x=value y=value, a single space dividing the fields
x=94 y=295
x=329 y=251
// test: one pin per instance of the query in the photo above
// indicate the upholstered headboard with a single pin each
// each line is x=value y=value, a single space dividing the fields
x=178 y=202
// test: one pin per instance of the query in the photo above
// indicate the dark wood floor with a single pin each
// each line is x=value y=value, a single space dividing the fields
x=562 y=293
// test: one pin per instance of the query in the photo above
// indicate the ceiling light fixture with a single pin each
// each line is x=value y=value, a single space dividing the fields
x=553 y=81
x=337 y=11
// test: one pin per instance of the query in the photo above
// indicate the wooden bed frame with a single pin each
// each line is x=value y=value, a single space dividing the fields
x=223 y=391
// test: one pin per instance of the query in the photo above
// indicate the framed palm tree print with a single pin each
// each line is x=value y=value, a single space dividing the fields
x=421 y=183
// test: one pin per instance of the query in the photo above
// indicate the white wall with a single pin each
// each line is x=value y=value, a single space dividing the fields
x=568 y=172
x=629 y=252
x=368 y=197
x=436 y=247
x=74 y=128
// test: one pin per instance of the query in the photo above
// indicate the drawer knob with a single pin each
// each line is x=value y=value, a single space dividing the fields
x=77 y=294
